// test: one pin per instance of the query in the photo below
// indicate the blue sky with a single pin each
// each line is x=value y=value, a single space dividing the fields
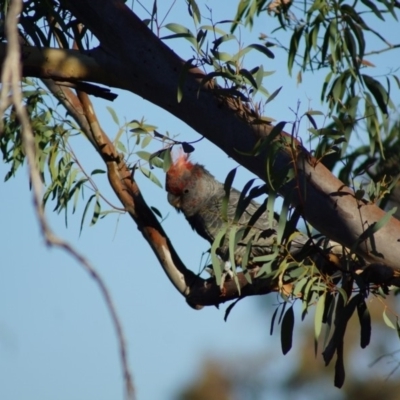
x=56 y=337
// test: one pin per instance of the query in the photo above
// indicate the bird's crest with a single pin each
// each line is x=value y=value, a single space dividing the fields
x=180 y=165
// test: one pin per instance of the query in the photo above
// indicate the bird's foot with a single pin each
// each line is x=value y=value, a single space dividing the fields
x=226 y=273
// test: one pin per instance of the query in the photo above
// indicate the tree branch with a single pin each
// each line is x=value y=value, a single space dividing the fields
x=147 y=67
x=152 y=68
x=11 y=79
x=198 y=291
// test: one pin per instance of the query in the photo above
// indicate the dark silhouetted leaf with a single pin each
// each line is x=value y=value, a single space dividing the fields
x=339 y=367
x=287 y=330
x=378 y=91
x=227 y=187
x=365 y=323
x=271 y=330
x=273 y=95
x=187 y=148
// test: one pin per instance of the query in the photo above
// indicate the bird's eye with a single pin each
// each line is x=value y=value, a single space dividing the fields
x=186 y=191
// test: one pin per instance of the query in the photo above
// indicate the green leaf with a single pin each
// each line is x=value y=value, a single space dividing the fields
x=249 y=77
x=182 y=78
x=265 y=143
x=374 y=227
x=213 y=29
x=216 y=261
x=387 y=320
x=319 y=313
x=299 y=286
x=325 y=85
x=196 y=12
x=235 y=235
x=254 y=218
x=343 y=293
x=287 y=330
x=156 y=161
x=271 y=206
x=227 y=187
x=260 y=75
x=378 y=91
x=85 y=211
x=96 y=211
x=144 y=155
x=201 y=37
x=374 y=8
x=148 y=174
x=325 y=43
x=245 y=261
x=314 y=36
x=113 y=114
x=282 y=312
x=146 y=141
x=118 y=135
x=242 y=8
x=294 y=44
x=397 y=80
x=359 y=36
x=221 y=55
x=180 y=32
x=156 y=211
x=121 y=147
x=351 y=47
x=75 y=193
x=273 y=95
x=222 y=39
x=262 y=49
x=167 y=159
x=243 y=201
x=283 y=218
x=97 y=171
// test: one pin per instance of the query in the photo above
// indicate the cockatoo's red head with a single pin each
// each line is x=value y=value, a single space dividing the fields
x=183 y=184
x=178 y=175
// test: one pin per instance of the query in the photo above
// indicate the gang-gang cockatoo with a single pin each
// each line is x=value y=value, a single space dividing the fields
x=193 y=191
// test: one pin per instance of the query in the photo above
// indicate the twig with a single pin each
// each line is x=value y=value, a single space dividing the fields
x=92 y=182
x=11 y=78
x=390 y=47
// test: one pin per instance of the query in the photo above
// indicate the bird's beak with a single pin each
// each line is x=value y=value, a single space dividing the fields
x=174 y=200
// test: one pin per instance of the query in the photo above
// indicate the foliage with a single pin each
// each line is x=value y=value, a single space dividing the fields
x=325 y=35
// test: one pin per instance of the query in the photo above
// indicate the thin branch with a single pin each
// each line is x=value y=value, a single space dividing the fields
x=92 y=182
x=72 y=104
x=11 y=78
x=390 y=47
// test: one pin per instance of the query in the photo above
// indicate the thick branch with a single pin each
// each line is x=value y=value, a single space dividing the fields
x=197 y=291
x=146 y=66
x=153 y=70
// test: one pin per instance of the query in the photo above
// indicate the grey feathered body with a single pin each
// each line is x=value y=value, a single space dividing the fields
x=200 y=198
x=207 y=222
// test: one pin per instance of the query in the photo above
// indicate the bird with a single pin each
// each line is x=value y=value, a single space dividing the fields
x=195 y=192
